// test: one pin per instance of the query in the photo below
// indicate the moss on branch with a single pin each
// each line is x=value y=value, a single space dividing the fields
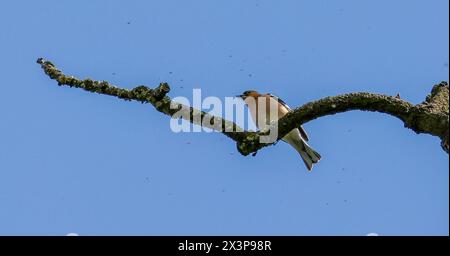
x=430 y=117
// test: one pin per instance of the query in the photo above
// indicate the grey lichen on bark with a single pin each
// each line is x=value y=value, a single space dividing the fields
x=157 y=97
x=430 y=117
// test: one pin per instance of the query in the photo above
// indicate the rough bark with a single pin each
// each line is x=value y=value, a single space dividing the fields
x=430 y=117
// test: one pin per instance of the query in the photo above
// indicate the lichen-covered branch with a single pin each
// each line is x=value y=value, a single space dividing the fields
x=430 y=116
x=157 y=97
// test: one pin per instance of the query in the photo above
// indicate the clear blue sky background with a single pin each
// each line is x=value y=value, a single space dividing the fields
x=71 y=161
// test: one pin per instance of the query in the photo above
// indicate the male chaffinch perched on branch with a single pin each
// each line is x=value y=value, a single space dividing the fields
x=297 y=138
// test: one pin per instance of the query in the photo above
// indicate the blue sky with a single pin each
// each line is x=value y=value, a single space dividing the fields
x=71 y=161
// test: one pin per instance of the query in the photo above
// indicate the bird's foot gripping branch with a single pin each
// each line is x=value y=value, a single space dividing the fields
x=430 y=117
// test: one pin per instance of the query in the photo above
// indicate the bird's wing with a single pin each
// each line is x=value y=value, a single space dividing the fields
x=280 y=101
x=302 y=131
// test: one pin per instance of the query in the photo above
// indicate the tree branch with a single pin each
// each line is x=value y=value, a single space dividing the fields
x=157 y=97
x=430 y=116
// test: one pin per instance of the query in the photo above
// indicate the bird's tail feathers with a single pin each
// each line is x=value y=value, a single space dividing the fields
x=309 y=155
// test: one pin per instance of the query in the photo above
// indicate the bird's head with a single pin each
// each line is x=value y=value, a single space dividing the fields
x=249 y=93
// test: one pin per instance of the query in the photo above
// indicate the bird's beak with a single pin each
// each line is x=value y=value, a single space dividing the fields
x=240 y=96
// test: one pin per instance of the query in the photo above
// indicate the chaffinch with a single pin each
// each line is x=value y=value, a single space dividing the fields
x=297 y=138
